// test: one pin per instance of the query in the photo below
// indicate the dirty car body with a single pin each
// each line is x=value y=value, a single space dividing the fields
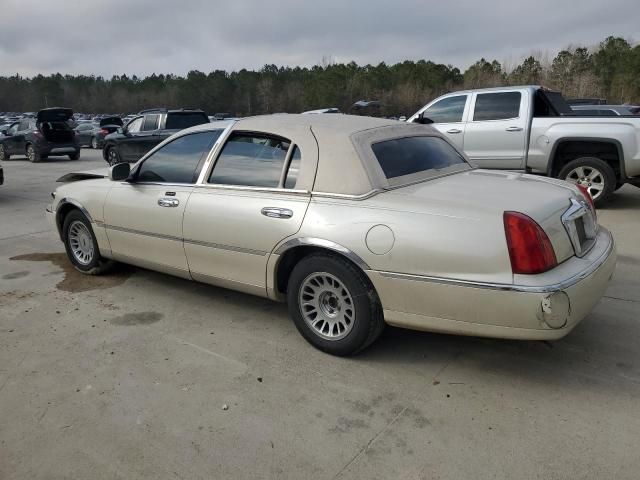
x=355 y=222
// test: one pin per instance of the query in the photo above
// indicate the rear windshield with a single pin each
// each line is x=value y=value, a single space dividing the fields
x=178 y=121
x=405 y=156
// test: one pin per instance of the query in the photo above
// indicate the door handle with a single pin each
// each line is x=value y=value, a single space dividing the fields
x=513 y=129
x=454 y=130
x=168 y=202
x=275 y=212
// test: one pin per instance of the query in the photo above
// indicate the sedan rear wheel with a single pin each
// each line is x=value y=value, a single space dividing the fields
x=94 y=142
x=333 y=304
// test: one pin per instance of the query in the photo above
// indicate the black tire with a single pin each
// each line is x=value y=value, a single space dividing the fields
x=33 y=155
x=74 y=156
x=97 y=265
x=3 y=153
x=113 y=158
x=368 y=321
x=604 y=173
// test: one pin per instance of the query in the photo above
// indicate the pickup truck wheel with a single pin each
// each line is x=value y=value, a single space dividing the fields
x=594 y=174
x=32 y=154
x=81 y=245
x=333 y=305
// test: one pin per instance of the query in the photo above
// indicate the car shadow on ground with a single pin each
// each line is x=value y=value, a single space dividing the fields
x=15 y=158
x=622 y=200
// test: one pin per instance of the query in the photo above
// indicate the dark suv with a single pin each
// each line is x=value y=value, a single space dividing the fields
x=48 y=134
x=147 y=130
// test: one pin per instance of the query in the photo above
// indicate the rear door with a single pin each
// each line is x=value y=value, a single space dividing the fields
x=11 y=143
x=448 y=115
x=144 y=217
x=496 y=130
x=245 y=207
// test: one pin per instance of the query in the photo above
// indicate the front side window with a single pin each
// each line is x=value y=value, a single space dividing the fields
x=409 y=155
x=447 y=110
x=13 y=129
x=24 y=125
x=179 y=161
x=135 y=125
x=151 y=122
x=251 y=160
x=497 y=106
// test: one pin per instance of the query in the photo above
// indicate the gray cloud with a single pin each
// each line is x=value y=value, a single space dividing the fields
x=169 y=36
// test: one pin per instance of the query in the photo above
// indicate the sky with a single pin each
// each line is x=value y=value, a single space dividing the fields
x=107 y=37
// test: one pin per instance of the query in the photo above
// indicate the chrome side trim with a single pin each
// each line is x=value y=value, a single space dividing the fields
x=230 y=248
x=509 y=287
x=574 y=212
x=242 y=188
x=218 y=246
x=347 y=196
x=320 y=242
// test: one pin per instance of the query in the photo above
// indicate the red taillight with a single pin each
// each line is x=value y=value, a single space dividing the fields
x=530 y=249
x=104 y=132
x=587 y=196
x=37 y=134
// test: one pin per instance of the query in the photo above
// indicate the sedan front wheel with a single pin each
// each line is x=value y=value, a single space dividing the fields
x=81 y=245
x=333 y=304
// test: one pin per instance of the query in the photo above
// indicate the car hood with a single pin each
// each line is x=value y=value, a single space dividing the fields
x=54 y=115
x=484 y=195
x=85 y=175
x=111 y=121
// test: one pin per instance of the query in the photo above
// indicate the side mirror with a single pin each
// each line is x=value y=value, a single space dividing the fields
x=422 y=119
x=121 y=130
x=119 y=172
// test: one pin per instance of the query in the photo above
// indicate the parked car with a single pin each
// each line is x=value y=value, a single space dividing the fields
x=534 y=129
x=602 y=110
x=354 y=221
x=144 y=132
x=93 y=134
x=46 y=134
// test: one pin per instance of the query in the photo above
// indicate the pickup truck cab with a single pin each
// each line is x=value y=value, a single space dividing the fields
x=533 y=129
x=145 y=131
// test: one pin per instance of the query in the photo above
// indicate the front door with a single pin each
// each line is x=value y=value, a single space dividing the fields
x=496 y=131
x=448 y=115
x=143 y=218
x=246 y=207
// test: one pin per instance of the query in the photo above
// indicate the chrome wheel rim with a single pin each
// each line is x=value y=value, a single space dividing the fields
x=31 y=153
x=326 y=306
x=113 y=157
x=94 y=143
x=590 y=178
x=80 y=242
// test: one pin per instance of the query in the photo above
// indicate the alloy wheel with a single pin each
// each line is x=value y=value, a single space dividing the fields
x=589 y=177
x=31 y=153
x=326 y=306
x=81 y=242
x=113 y=157
x=94 y=143
x=1 y=153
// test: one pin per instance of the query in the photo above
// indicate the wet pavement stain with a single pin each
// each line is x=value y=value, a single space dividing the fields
x=73 y=280
x=140 y=318
x=14 y=275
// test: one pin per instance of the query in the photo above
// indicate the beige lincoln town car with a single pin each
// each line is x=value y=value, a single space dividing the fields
x=355 y=222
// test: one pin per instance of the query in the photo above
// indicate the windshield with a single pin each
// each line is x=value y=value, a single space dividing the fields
x=409 y=155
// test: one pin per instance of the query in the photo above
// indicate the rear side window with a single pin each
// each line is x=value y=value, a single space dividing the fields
x=405 y=156
x=497 y=106
x=181 y=120
x=447 y=110
x=150 y=122
x=294 y=169
x=179 y=161
x=251 y=160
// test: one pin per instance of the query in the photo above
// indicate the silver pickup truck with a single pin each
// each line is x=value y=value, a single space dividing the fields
x=533 y=129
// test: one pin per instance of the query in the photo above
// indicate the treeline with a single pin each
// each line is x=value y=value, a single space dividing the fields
x=611 y=71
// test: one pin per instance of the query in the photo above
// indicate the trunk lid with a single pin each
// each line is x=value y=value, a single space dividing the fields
x=55 y=114
x=484 y=195
x=111 y=121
